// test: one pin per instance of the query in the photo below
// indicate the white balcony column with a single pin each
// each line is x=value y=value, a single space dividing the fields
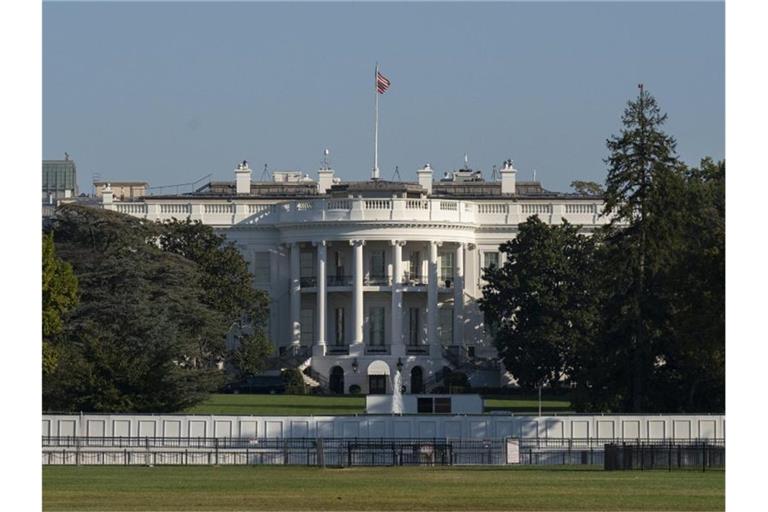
x=322 y=257
x=458 y=296
x=432 y=337
x=295 y=294
x=357 y=293
x=398 y=348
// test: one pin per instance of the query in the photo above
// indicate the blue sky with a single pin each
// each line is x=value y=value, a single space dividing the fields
x=170 y=92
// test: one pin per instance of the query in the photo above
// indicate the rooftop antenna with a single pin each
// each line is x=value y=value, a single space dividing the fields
x=534 y=175
x=265 y=174
x=326 y=154
x=396 y=175
x=466 y=161
x=494 y=175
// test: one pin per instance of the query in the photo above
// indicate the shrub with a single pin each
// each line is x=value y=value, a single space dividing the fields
x=294 y=381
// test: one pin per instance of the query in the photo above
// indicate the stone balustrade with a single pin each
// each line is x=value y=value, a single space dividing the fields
x=510 y=212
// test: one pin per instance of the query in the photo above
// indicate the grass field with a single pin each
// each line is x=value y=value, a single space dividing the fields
x=322 y=405
x=404 y=488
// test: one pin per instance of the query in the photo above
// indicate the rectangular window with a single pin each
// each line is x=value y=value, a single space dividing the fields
x=424 y=405
x=446 y=267
x=414 y=264
x=376 y=327
x=377 y=265
x=307 y=326
x=307 y=264
x=443 y=405
x=377 y=384
x=445 y=319
x=340 y=338
x=490 y=259
x=414 y=326
x=261 y=271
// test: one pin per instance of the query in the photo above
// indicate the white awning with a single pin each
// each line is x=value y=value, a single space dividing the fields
x=378 y=368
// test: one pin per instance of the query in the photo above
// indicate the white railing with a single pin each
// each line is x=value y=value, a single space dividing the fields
x=417 y=204
x=260 y=208
x=378 y=204
x=132 y=208
x=175 y=208
x=339 y=204
x=580 y=208
x=533 y=209
x=219 y=208
x=367 y=209
x=492 y=208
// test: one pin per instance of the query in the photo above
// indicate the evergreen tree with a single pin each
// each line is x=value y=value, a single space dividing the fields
x=642 y=160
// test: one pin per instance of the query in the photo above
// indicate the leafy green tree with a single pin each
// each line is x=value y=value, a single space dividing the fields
x=541 y=304
x=59 y=297
x=587 y=188
x=250 y=355
x=294 y=381
x=228 y=288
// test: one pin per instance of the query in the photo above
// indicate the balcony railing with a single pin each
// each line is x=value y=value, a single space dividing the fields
x=500 y=212
x=337 y=350
x=377 y=349
x=378 y=280
x=410 y=279
x=308 y=282
x=339 y=280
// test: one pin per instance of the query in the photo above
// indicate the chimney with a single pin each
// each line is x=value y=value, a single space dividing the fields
x=106 y=198
x=508 y=175
x=243 y=178
x=425 y=178
x=324 y=180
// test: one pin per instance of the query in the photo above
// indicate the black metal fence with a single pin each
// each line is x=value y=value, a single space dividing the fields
x=595 y=451
x=700 y=455
x=341 y=452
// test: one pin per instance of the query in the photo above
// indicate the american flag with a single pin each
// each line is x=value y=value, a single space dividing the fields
x=382 y=83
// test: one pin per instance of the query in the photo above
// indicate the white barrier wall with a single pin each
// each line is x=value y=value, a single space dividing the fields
x=480 y=426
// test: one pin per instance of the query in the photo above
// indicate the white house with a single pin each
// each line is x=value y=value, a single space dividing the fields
x=368 y=277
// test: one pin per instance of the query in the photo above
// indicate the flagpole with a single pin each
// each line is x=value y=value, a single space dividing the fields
x=375 y=174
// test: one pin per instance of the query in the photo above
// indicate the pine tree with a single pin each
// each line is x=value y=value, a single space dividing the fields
x=641 y=159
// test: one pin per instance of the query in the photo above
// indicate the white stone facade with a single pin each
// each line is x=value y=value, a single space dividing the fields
x=368 y=278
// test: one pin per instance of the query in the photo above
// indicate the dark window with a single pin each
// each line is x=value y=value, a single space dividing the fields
x=443 y=405
x=424 y=405
x=377 y=384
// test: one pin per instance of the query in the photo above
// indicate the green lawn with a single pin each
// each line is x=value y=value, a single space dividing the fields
x=280 y=405
x=404 y=488
x=329 y=405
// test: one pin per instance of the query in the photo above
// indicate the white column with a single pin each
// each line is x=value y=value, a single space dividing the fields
x=274 y=291
x=396 y=315
x=357 y=293
x=432 y=339
x=322 y=256
x=458 y=296
x=295 y=295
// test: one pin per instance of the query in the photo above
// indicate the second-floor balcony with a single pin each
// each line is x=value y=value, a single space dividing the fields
x=377 y=280
x=339 y=280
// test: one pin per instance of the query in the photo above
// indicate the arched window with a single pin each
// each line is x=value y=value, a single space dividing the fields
x=417 y=380
x=336 y=381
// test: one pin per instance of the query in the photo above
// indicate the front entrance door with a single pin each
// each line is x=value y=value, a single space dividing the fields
x=336 y=382
x=377 y=384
